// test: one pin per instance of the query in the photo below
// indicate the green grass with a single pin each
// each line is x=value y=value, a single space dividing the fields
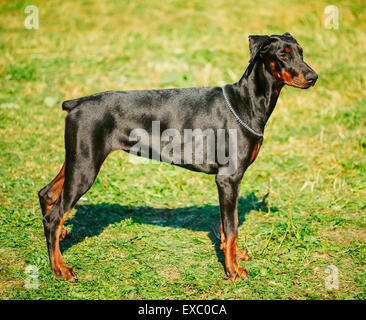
x=152 y=231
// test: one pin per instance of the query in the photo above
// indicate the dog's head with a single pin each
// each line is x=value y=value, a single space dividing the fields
x=283 y=57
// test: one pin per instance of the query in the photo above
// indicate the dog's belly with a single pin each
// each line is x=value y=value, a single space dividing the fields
x=209 y=168
x=185 y=154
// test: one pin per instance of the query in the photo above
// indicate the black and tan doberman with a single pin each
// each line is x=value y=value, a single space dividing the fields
x=99 y=124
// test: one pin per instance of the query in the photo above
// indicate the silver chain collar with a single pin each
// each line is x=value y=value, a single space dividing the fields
x=228 y=104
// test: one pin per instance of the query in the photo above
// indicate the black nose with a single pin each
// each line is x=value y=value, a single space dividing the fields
x=311 y=78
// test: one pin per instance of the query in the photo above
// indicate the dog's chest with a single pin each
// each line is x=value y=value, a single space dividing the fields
x=254 y=151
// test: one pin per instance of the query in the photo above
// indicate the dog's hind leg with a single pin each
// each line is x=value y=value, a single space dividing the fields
x=81 y=169
x=50 y=193
x=78 y=180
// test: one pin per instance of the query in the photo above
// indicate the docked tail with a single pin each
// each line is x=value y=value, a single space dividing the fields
x=68 y=105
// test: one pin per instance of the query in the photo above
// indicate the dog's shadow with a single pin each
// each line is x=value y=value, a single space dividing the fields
x=91 y=219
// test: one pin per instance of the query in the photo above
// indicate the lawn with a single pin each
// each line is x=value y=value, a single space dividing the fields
x=152 y=231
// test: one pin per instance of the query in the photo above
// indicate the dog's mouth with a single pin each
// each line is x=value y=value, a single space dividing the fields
x=297 y=81
x=304 y=82
x=300 y=82
x=286 y=77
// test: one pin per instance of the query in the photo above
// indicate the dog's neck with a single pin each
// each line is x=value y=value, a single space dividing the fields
x=256 y=95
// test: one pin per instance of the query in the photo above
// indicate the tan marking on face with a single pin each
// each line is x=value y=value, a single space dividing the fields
x=272 y=65
x=286 y=76
x=287 y=50
x=282 y=75
x=299 y=81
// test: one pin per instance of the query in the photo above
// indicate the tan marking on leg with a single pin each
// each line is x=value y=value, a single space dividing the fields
x=241 y=255
x=233 y=269
x=222 y=246
x=53 y=194
x=273 y=66
x=59 y=267
x=55 y=189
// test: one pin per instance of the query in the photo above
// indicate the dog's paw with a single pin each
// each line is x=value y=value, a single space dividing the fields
x=65 y=272
x=240 y=273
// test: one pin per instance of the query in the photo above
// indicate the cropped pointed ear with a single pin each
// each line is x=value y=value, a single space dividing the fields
x=256 y=44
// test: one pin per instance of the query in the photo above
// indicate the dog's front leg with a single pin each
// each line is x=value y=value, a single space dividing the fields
x=228 y=187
